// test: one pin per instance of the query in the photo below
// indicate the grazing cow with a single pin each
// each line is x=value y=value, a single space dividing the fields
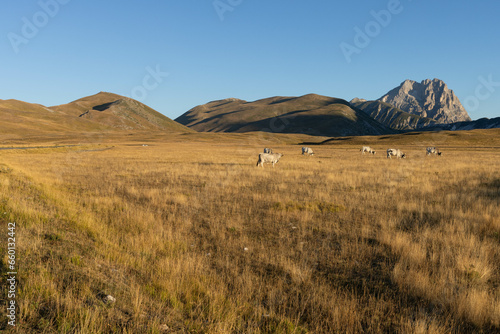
x=395 y=152
x=272 y=158
x=367 y=149
x=432 y=150
x=307 y=150
x=268 y=150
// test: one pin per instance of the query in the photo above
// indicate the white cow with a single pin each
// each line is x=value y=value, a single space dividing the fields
x=272 y=158
x=395 y=152
x=432 y=150
x=268 y=150
x=367 y=149
x=307 y=150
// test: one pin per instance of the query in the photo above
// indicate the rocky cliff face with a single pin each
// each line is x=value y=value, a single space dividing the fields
x=391 y=116
x=429 y=98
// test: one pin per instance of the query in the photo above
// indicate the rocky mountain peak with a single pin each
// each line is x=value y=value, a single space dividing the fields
x=429 y=98
x=357 y=100
x=407 y=85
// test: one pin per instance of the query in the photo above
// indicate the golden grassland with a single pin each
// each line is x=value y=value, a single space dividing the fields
x=191 y=235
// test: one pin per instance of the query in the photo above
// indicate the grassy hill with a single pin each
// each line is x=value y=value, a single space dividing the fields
x=100 y=113
x=22 y=119
x=119 y=112
x=309 y=114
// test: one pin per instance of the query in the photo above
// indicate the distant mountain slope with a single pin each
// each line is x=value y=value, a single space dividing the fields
x=429 y=98
x=478 y=137
x=119 y=112
x=309 y=114
x=391 y=116
x=482 y=123
x=102 y=112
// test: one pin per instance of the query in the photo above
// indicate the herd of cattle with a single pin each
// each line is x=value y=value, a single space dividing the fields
x=270 y=157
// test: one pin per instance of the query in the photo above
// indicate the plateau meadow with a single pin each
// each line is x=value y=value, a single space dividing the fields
x=189 y=236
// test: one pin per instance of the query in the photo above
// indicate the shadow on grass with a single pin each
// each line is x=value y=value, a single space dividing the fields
x=490 y=190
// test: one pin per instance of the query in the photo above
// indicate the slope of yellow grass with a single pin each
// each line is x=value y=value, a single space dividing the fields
x=93 y=115
x=192 y=236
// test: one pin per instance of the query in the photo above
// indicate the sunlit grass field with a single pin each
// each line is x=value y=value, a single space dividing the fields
x=192 y=237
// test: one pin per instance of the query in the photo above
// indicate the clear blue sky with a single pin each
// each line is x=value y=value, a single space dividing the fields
x=259 y=49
